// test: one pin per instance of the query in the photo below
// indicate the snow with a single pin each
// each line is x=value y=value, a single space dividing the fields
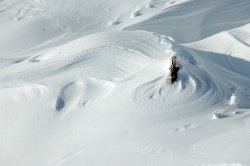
x=84 y=82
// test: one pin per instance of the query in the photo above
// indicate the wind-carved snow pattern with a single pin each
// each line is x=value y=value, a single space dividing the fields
x=192 y=88
x=83 y=93
x=70 y=95
x=81 y=78
x=86 y=62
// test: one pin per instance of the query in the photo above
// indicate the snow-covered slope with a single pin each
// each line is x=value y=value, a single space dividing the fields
x=85 y=82
x=197 y=19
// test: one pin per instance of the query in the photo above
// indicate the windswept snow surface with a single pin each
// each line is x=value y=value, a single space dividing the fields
x=84 y=82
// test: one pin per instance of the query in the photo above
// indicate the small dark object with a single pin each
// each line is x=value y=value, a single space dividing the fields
x=173 y=69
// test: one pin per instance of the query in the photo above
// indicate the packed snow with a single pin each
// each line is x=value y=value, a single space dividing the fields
x=84 y=82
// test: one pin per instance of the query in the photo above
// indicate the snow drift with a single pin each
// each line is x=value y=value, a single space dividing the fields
x=85 y=82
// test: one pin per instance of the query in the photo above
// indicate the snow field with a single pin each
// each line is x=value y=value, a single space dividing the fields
x=84 y=82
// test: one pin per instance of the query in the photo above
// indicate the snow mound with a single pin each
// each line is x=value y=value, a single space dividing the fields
x=70 y=95
x=83 y=94
x=82 y=57
x=192 y=88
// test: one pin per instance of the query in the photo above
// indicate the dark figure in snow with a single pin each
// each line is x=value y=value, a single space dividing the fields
x=173 y=69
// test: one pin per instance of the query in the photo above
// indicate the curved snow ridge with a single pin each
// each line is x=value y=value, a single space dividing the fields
x=229 y=49
x=241 y=34
x=70 y=95
x=111 y=56
x=235 y=43
x=194 y=90
x=111 y=63
x=150 y=44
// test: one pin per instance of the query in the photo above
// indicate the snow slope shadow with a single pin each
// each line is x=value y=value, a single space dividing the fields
x=60 y=103
x=223 y=68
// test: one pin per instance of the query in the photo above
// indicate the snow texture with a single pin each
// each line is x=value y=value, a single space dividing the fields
x=84 y=82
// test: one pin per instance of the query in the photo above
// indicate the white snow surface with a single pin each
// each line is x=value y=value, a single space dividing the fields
x=84 y=82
